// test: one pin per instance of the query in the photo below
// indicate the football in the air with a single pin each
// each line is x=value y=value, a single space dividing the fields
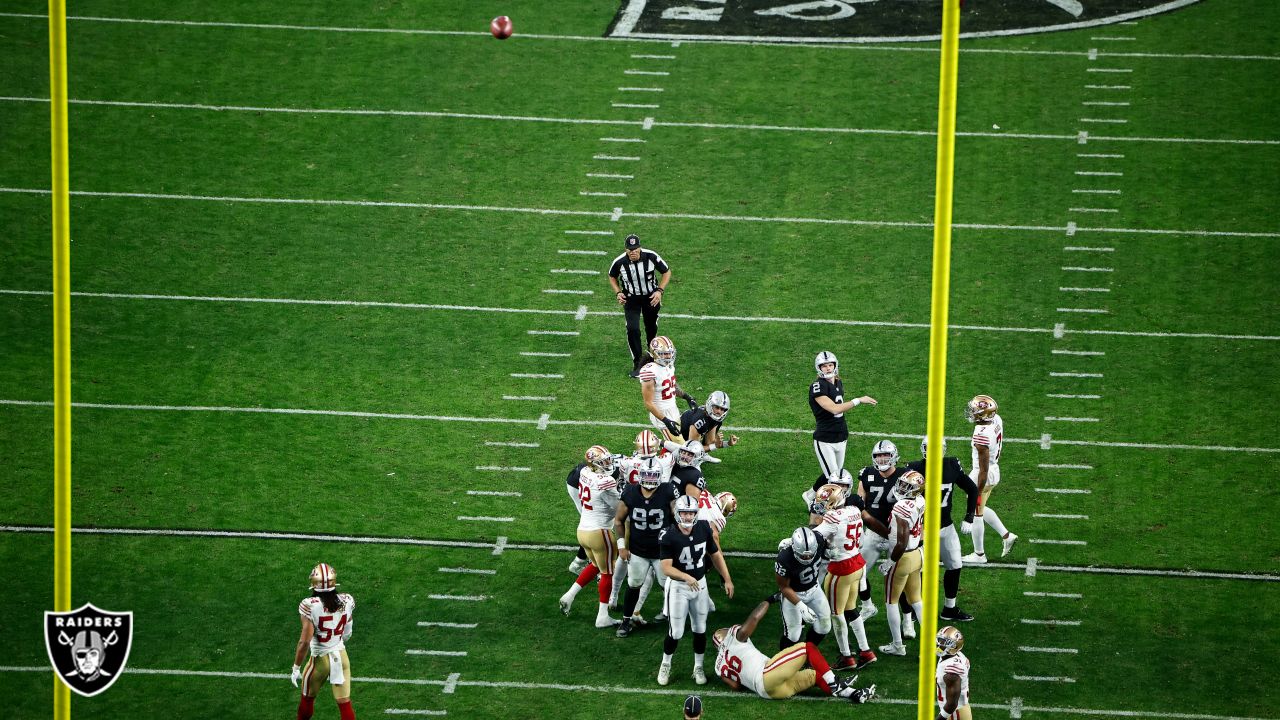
x=501 y=27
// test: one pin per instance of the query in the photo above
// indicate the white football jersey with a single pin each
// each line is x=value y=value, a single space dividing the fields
x=631 y=467
x=664 y=388
x=957 y=664
x=740 y=661
x=331 y=627
x=913 y=512
x=842 y=529
x=709 y=510
x=599 y=495
x=990 y=436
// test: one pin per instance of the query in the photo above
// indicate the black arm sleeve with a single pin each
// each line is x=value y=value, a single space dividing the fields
x=965 y=483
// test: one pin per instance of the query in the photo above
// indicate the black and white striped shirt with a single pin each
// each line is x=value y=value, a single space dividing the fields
x=639 y=277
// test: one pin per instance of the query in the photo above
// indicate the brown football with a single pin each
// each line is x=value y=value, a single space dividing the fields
x=501 y=27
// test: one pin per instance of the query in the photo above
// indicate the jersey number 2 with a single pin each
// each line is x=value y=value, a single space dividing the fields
x=584 y=496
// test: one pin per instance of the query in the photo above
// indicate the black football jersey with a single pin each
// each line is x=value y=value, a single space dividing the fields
x=801 y=577
x=829 y=427
x=647 y=517
x=689 y=553
x=953 y=476
x=682 y=476
x=575 y=476
x=698 y=418
x=879 y=491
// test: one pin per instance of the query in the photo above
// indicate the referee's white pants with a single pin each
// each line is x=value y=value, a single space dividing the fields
x=817 y=602
x=679 y=602
x=830 y=457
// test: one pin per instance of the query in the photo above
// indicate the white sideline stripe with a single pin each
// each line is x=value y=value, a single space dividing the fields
x=649 y=690
x=611 y=176
x=535 y=398
x=498 y=493
x=1074 y=397
x=538 y=376
x=1075 y=374
x=583 y=252
x=1078 y=352
x=1092 y=311
x=460 y=626
x=1051 y=466
x=1052 y=418
x=406 y=711
x=1055 y=516
x=655 y=57
x=1029 y=648
x=1091 y=210
x=502 y=468
x=444 y=653
x=557 y=291
x=467 y=571
x=1066 y=623
x=587 y=232
x=646 y=72
x=1069 y=596
x=1083 y=289
x=1044 y=678
x=1037 y=541
x=569 y=271
x=463 y=598
x=545 y=421
x=617 y=213
x=595 y=121
x=1064 y=491
x=526 y=353
x=586 y=193
x=605 y=313
x=493 y=443
x=561 y=548
x=483 y=518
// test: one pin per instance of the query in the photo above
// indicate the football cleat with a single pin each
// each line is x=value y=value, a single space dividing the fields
x=861 y=696
x=566 y=603
x=1007 y=544
x=625 y=628
x=323 y=578
x=578 y=565
x=974 y=559
x=910 y=485
x=663 y=351
x=604 y=621
x=638 y=621
x=827 y=358
x=949 y=641
x=955 y=614
x=699 y=675
x=599 y=459
x=893 y=649
x=908 y=627
x=884 y=455
x=845 y=662
x=660 y=618
x=865 y=658
x=664 y=674
x=980 y=409
x=868 y=610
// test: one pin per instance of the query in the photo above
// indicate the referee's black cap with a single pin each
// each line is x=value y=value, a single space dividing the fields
x=633 y=242
x=693 y=706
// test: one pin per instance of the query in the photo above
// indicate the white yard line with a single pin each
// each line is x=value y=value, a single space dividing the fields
x=535 y=398
x=1099 y=173
x=592 y=193
x=1088 y=248
x=538 y=376
x=1064 y=623
x=467 y=571
x=654 y=57
x=1058 y=650
x=1044 y=678
x=641 y=89
x=552 y=332
x=611 y=176
x=1052 y=466
x=642 y=106
x=660 y=73
x=502 y=468
x=1106 y=121
x=443 y=653
x=526 y=353
x=1075 y=374
x=625 y=158
x=1109 y=87
x=1052 y=418
x=588 y=232
x=483 y=518
x=1042 y=541
x=1056 y=516
x=1087 y=311
x=1077 y=268
x=582 y=252
x=559 y=291
x=571 y=271
x=498 y=493
x=1093 y=210
x=622 y=140
x=494 y=443
x=407 y=711
x=1085 y=191
x=1099 y=155
x=1064 y=491
x=460 y=598
x=1062 y=396
x=1068 y=596
x=1082 y=289
x=1086 y=353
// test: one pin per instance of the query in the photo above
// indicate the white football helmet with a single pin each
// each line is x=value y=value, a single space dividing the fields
x=884 y=447
x=980 y=409
x=910 y=485
x=663 y=351
x=823 y=358
x=323 y=578
x=599 y=459
x=718 y=405
x=686 y=511
x=924 y=447
x=650 y=474
x=804 y=545
x=690 y=454
x=728 y=504
x=646 y=444
x=844 y=481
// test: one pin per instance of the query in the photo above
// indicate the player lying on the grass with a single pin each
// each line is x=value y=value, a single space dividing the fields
x=952 y=676
x=742 y=667
x=659 y=389
x=686 y=548
x=598 y=494
x=841 y=529
x=988 y=443
x=948 y=541
x=704 y=423
x=902 y=568
x=326 y=626
x=643 y=513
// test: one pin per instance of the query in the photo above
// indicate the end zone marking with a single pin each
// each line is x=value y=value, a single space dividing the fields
x=499 y=545
x=450 y=683
x=1069 y=596
x=482 y=518
x=444 y=653
x=1062 y=651
x=467 y=571
x=496 y=493
x=1031 y=567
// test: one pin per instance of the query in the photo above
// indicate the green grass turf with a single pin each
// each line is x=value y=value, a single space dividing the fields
x=396 y=478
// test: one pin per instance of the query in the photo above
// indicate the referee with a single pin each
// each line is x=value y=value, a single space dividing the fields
x=639 y=278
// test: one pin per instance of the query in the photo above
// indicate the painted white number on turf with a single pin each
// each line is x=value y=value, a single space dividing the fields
x=686 y=556
x=707 y=10
x=816 y=10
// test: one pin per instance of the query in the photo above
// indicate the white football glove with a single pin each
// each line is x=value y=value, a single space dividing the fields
x=966 y=527
x=296 y=675
x=807 y=615
x=885 y=567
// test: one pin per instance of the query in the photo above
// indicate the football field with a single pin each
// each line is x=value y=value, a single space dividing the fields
x=339 y=294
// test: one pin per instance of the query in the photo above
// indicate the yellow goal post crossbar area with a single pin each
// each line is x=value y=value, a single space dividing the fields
x=941 y=288
x=61 y=331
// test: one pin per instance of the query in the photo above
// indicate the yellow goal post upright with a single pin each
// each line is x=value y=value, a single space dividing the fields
x=61 y=332
x=941 y=288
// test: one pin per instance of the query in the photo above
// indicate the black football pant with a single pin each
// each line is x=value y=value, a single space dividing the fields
x=636 y=306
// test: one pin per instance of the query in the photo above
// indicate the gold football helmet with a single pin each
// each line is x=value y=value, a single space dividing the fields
x=950 y=641
x=910 y=485
x=323 y=578
x=829 y=497
x=663 y=351
x=599 y=459
x=980 y=409
x=647 y=444
x=728 y=504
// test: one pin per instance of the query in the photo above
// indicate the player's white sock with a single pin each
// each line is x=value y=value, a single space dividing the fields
x=697 y=660
x=949 y=602
x=919 y=608
x=895 y=622
x=979 y=531
x=842 y=634
x=666 y=659
x=644 y=590
x=619 y=580
x=603 y=612
x=860 y=633
x=993 y=520
x=574 y=589
x=829 y=678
